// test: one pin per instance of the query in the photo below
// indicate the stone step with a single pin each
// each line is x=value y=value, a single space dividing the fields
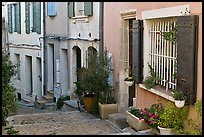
x=119 y=120
x=48 y=98
x=40 y=104
x=71 y=103
x=51 y=92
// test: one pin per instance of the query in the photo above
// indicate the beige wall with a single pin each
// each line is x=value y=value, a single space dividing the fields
x=112 y=38
x=58 y=24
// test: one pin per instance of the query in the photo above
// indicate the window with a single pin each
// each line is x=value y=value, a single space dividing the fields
x=163 y=52
x=33 y=17
x=76 y=9
x=14 y=17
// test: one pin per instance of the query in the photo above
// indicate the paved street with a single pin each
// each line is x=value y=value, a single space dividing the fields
x=30 y=121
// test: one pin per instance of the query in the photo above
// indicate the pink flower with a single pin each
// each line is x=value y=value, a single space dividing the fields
x=155 y=116
x=140 y=118
x=150 y=114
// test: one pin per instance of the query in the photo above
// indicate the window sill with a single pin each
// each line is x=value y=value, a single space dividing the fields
x=80 y=19
x=158 y=90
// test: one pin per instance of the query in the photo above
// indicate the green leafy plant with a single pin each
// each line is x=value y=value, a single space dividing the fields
x=9 y=98
x=12 y=131
x=173 y=117
x=170 y=35
x=136 y=112
x=150 y=81
x=129 y=79
x=178 y=94
x=93 y=80
x=60 y=101
x=193 y=126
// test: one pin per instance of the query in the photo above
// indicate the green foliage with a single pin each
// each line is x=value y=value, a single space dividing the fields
x=170 y=35
x=173 y=117
x=129 y=79
x=150 y=81
x=94 y=78
x=178 y=94
x=60 y=101
x=12 y=131
x=193 y=126
x=9 y=104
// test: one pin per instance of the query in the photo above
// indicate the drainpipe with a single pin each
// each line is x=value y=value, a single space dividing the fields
x=101 y=6
x=44 y=52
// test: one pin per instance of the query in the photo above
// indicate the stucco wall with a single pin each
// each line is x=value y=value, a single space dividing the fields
x=58 y=24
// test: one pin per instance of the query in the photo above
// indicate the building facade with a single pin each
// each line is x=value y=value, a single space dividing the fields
x=24 y=21
x=72 y=32
x=137 y=42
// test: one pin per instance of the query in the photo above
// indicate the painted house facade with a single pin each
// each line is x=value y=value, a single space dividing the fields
x=132 y=32
x=24 y=21
x=72 y=33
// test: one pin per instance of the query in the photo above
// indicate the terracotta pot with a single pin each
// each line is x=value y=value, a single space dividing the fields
x=89 y=102
x=135 y=122
x=107 y=109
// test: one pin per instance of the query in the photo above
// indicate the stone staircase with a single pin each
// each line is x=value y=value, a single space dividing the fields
x=46 y=99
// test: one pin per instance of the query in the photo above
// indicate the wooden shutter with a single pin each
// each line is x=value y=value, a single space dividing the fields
x=88 y=8
x=137 y=50
x=37 y=17
x=187 y=56
x=18 y=18
x=51 y=9
x=70 y=9
x=10 y=19
x=27 y=17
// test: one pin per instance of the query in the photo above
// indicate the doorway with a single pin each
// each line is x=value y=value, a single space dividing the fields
x=131 y=88
x=29 y=78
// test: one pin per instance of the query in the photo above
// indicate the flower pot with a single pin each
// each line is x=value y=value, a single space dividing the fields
x=107 y=109
x=179 y=103
x=165 y=131
x=89 y=101
x=129 y=83
x=135 y=122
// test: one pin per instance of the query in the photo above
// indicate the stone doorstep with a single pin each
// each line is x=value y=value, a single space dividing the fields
x=71 y=103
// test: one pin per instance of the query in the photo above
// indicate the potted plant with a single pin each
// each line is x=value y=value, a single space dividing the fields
x=150 y=81
x=151 y=116
x=129 y=81
x=107 y=103
x=94 y=80
x=171 y=119
x=135 y=119
x=178 y=97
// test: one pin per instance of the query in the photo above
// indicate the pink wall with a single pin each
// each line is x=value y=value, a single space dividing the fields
x=112 y=29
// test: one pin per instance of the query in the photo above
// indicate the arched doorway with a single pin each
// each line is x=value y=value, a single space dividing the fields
x=91 y=51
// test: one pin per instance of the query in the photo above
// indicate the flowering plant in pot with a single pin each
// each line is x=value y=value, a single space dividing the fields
x=129 y=81
x=135 y=119
x=151 y=115
x=179 y=98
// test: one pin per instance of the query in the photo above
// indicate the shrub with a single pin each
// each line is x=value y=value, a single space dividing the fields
x=9 y=104
x=60 y=101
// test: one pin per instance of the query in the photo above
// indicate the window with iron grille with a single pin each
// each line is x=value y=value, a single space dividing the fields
x=163 y=52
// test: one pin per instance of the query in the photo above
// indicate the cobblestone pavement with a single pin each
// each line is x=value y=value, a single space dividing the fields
x=30 y=121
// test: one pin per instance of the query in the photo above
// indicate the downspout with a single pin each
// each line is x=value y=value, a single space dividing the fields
x=101 y=6
x=44 y=52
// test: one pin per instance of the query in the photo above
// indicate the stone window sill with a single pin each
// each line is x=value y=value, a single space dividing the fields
x=158 y=90
x=80 y=19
